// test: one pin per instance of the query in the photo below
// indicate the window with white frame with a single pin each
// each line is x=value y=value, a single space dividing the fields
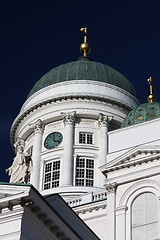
x=86 y=138
x=85 y=172
x=51 y=174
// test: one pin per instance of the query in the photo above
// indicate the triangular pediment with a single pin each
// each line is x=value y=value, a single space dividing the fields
x=133 y=157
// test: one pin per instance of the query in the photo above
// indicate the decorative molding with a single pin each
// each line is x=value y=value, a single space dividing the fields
x=137 y=188
x=32 y=109
x=51 y=151
x=91 y=207
x=90 y=122
x=90 y=198
x=52 y=158
x=132 y=158
x=86 y=147
x=8 y=202
x=37 y=126
x=121 y=210
x=111 y=187
x=104 y=120
x=47 y=221
x=56 y=124
x=86 y=154
x=68 y=117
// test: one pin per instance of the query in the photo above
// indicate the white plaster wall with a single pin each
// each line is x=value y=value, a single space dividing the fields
x=132 y=182
x=144 y=214
x=11 y=229
x=10 y=223
x=95 y=219
x=139 y=171
x=122 y=140
x=125 y=197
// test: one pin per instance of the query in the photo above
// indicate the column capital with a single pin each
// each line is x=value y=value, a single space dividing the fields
x=111 y=187
x=68 y=117
x=104 y=120
x=37 y=126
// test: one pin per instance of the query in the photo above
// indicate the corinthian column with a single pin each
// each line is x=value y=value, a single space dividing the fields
x=67 y=163
x=38 y=128
x=103 y=123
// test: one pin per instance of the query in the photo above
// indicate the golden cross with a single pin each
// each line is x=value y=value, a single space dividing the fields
x=151 y=97
x=85 y=32
x=149 y=80
x=84 y=47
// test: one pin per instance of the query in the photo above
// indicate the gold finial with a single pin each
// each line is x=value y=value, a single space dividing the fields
x=84 y=47
x=151 y=97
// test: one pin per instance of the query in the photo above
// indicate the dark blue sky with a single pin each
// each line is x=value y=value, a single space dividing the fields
x=36 y=36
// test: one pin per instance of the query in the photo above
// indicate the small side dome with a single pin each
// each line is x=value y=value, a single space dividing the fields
x=144 y=112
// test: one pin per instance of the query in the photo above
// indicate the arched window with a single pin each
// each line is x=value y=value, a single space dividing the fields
x=144 y=217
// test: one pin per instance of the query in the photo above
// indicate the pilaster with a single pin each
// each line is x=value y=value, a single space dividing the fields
x=111 y=204
x=121 y=223
x=103 y=123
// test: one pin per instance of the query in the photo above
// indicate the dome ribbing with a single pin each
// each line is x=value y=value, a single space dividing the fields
x=84 y=69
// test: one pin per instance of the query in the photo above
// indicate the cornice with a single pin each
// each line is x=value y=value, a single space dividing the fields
x=133 y=159
x=86 y=147
x=52 y=226
x=29 y=111
x=91 y=207
x=57 y=152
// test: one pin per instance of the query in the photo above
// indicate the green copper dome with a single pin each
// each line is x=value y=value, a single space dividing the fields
x=83 y=69
x=144 y=112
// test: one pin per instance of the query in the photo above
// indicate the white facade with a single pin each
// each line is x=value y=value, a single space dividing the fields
x=50 y=110
x=133 y=182
x=70 y=135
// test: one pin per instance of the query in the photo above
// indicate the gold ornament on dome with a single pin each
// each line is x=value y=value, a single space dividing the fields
x=85 y=47
x=151 y=98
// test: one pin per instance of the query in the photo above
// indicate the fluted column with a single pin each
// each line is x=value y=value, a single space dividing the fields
x=67 y=163
x=111 y=205
x=38 y=128
x=103 y=123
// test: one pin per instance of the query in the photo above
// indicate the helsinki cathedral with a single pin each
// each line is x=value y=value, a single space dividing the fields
x=86 y=163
